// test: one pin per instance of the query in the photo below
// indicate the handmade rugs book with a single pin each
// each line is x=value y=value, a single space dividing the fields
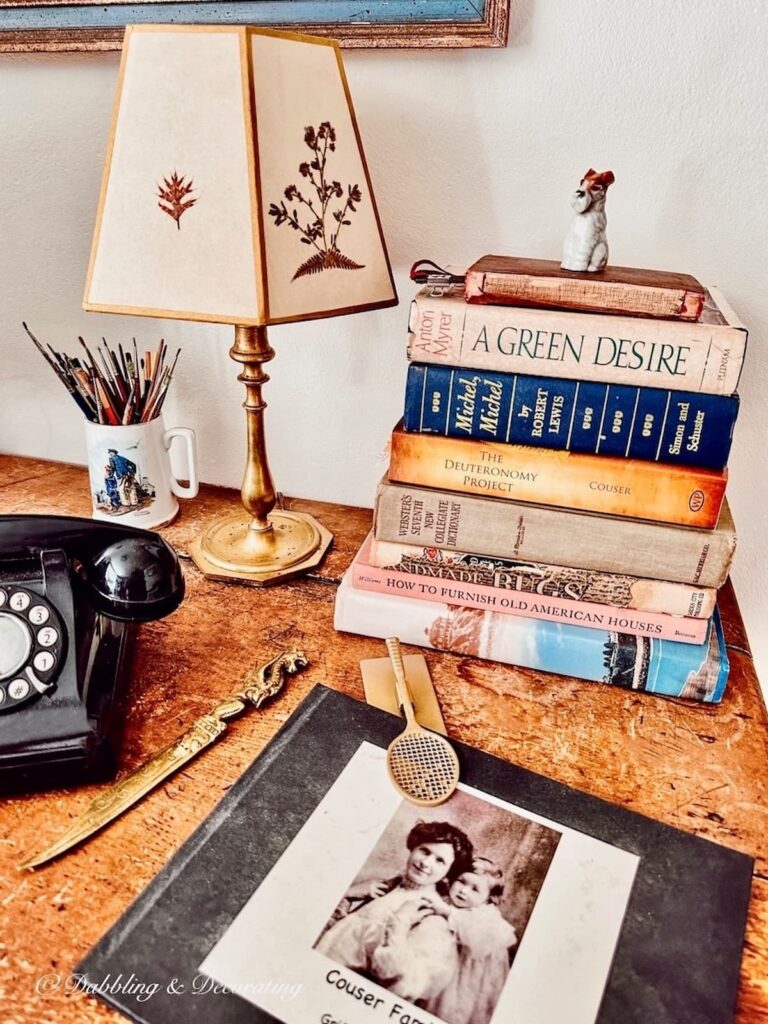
x=528 y=577
x=454 y=588
x=302 y=897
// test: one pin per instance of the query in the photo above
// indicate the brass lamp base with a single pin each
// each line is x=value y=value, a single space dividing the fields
x=232 y=549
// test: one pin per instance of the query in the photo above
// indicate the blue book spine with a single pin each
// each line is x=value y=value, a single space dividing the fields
x=584 y=417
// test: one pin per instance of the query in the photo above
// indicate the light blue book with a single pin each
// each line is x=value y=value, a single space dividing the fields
x=692 y=671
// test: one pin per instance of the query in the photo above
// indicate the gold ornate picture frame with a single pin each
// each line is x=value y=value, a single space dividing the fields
x=60 y=25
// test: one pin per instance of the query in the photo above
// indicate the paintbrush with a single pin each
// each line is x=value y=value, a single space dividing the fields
x=63 y=376
x=112 y=388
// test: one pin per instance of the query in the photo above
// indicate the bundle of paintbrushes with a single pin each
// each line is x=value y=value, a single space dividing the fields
x=117 y=387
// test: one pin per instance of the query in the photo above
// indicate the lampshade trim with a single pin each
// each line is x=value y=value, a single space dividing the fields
x=251 y=133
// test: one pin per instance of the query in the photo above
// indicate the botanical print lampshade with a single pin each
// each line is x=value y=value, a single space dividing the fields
x=235 y=186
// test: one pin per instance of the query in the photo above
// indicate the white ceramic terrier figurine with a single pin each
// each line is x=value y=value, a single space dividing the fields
x=586 y=247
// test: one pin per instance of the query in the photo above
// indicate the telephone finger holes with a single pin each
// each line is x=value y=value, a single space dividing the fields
x=39 y=615
x=47 y=636
x=44 y=661
x=32 y=646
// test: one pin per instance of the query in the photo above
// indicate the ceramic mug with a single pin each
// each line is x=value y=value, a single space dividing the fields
x=130 y=471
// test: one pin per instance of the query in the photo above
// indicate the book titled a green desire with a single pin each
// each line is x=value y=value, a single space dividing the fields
x=705 y=356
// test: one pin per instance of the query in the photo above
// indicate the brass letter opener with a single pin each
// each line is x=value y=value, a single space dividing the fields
x=258 y=686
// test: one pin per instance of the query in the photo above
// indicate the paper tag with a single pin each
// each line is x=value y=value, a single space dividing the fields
x=380 y=692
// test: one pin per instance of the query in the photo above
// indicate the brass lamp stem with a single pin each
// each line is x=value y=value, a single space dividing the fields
x=252 y=349
x=259 y=544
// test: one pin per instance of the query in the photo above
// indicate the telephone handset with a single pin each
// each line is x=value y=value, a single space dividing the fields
x=71 y=594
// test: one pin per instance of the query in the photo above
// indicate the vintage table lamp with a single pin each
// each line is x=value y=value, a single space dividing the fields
x=236 y=191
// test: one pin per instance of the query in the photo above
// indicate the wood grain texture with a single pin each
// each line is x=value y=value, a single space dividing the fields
x=702 y=769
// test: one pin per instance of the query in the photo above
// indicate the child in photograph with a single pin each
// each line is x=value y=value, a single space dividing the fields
x=478 y=953
x=483 y=939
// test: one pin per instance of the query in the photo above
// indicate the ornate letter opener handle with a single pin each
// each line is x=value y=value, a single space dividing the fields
x=258 y=686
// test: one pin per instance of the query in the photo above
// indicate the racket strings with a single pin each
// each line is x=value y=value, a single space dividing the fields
x=423 y=766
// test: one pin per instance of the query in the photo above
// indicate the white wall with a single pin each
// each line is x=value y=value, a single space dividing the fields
x=470 y=152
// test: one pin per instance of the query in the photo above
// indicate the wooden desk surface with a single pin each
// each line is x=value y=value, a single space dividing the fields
x=701 y=768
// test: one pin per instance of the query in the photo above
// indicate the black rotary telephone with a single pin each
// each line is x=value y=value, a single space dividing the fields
x=71 y=594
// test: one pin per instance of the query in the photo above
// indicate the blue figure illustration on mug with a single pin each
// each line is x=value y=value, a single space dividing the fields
x=125 y=490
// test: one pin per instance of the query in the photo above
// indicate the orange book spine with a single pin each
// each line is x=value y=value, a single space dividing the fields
x=588 y=483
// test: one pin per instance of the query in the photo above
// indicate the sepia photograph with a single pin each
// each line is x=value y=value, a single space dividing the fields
x=437 y=911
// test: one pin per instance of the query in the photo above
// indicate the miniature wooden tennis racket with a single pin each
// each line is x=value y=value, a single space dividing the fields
x=423 y=766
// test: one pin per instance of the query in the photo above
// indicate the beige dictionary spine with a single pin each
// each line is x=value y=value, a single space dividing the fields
x=424 y=516
x=705 y=357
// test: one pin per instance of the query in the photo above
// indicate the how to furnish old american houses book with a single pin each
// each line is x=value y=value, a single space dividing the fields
x=586 y=417
x=606 y=916
x=590 y=483
x=545 y=606
x=706 y=356
x=516 y=281
x=692 y=671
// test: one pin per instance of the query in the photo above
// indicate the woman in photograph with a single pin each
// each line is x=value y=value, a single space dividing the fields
x=438 y=852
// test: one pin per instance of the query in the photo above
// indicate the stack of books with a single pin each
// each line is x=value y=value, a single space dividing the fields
x=556 y=490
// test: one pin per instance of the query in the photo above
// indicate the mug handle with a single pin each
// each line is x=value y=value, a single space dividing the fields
x=194 y=483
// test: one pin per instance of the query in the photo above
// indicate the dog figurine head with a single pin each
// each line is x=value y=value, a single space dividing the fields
x=591 y=190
